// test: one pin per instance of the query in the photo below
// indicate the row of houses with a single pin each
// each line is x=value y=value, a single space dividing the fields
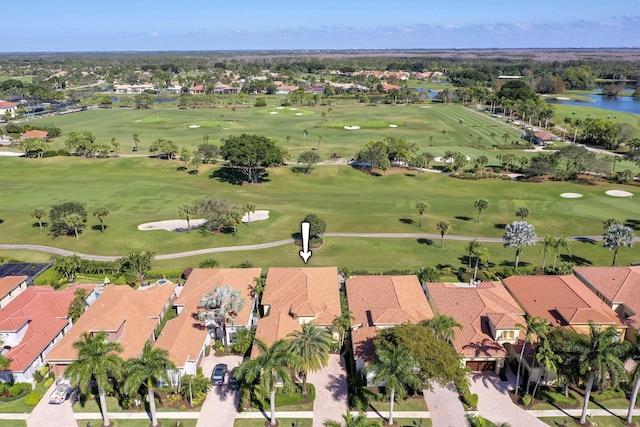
x=35 y=328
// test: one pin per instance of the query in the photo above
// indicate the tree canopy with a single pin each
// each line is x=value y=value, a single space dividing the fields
x=251 y=154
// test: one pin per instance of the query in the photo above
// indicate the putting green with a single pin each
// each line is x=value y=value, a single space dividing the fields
x=286 y=111
x=215 y=124
x=152 y=120
x=364 y=125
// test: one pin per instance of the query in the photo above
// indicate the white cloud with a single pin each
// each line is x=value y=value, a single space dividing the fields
x=154 y=34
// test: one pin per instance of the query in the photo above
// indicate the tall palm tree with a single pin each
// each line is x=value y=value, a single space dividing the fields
x=517 y=235
x=222 y=305
x=442 y=326
x=444 y=228
x=634 y=354
x=138 y=261
x=186 y=211
x=101 y=213
x=153 y=365
x=535 y=328
x=547 y=359
x=480 y=253
x=599 y=357
x=97 y=360
x=481 y=205
x=39 y=213
x=73 y=221
x=394 y=369
x=249 y=208
x=522 y=213
x=560 y=243
x=423 y=208
x=270 y=366
x=471 y=248
x=312 y=345
x=481 y=162
x=616 y=237
x=444 y=133
x=547 y=245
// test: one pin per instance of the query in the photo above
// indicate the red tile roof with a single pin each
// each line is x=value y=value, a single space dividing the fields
x=618 y=285
x=34 y=134
x=471 y=306
x=382 y=301
x=562 y=300
x=545 y=136
x=184 y=336
x=9 y=283
x=5 y=104
x=45 y=310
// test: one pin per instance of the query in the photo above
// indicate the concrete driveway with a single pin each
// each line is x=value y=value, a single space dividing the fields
x=495 y=404
x=331 y=391
x=445 y=407
x=45 y=414
x=219 y=408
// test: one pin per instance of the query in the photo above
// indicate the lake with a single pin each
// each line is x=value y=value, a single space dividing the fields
x=625 y=104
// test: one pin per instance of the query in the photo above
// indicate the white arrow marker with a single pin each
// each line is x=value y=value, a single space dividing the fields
x=305 y=253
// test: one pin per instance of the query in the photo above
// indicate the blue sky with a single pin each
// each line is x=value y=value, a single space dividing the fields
x=142 y=25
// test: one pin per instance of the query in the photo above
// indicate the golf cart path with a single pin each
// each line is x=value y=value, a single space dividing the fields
x=64 y=252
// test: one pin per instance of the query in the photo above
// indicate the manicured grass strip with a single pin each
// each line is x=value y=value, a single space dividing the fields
x=410 y=404
x=18 y=406
x=140 y=423
x=611 y=421
x=92 y=406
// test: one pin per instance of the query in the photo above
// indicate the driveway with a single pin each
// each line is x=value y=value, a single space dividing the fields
x=495 y=404
x=331 y=391
x=445 y=407
x=219 y=408
x=45 y=414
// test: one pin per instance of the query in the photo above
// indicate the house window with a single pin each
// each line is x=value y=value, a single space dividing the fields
x=510 y=334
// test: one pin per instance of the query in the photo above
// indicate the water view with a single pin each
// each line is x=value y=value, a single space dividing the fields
x=625 y=104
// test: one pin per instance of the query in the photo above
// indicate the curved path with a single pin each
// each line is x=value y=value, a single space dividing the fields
x=64 y=252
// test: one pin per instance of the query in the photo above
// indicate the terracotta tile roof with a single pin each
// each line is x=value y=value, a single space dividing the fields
x=198 y=88
x=545 y=136
x=470 y=306
x=137 y=311
x=380 y=301
x=312 y=292
x=34 y=134
x=184 y=336
x=45 y=310
x=503 y=320
x=5 y=104
x=562 y=300
x=9 y=283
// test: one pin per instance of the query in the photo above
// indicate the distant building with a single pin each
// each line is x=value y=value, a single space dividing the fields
x=35 y=134
x=8 y=108
x=135 y=89
x=10 y=288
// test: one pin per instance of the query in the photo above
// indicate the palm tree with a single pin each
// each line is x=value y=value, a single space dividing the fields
x=616 y=237
x=444 y=132
x=305 y=131
x=442 y=326
x=505 y=136
x=136 y=141
x=153 y=365
x=480 y=253
x=39 y=213
x=471 y=248
x=522 y=213
x=101 y=213
x=444 y=228
x=269 y=367
x=517 y=235
x=422 y=209
x=481 y=162
x=139 y=262
x=567 y=121
x=547 y=359
x=547 y=244
x=73 y=221
x=186 y=211
x=312 y=345
x=599 y=357
x=395 y=369
x=223 y=305
x=634 y=354
x=560 y=243
x=249 y=208
x=535 y=328
x=479 y=421
x=96 y=360
x=481 y=205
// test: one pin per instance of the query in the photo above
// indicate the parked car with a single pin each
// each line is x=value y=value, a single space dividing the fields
x=61 y=392
x=233 y=381
x=219 y=372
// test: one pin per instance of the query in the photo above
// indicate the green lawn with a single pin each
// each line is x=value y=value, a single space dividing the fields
x=16 y=423
x=612 y=421
x=413 y=422
x=282 y=422
x=92 y=406
x=18 y=406
x=139 y=423
x=409 y=404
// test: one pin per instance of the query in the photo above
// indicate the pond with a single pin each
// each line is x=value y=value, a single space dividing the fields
x=625 y=104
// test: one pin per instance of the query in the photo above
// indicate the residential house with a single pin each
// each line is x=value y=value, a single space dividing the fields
x=543 y=138
x=379 y=302
x=389 y=87
x=127 y=315
x=315 y=89
x=198 y=90
x=562 y=301
x=489 y=317
x=135 y=88
x=10 y=288
x=186 y=337
x=294 y=296
x=221 y=88
x=286 y=90
x=30 y=326
x=619 y=288
x=8 y=109
x=35 y=134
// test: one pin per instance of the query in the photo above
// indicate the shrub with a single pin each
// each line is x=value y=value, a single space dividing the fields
x=609 y=393
x=49 y=277
x=207 y=350
x=48 y=382
x=555 y=398
x=197 y=400
x=526 y=400
x=162 y=274
x=470 y=399
x=32 y=398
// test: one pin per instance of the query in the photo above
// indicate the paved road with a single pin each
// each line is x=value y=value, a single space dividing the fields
x=64 y=252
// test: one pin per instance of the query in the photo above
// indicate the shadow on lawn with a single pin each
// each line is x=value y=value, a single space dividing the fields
x=406 y=221
x=464 y=218
x=235 y=176
x=427 y=242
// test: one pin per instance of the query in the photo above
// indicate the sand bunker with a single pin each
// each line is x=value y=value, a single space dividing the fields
x=181 y=224
x=273 y=112
x=293 y=109
x=299 y=114
x=571 y=195
x=194 y=126
x=393 y=126
x=618 y=193
x=10 y=154
x=448 y=160
x=280 y=108
x=352 y=127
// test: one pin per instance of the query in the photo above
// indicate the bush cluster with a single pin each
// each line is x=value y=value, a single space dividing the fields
x=10 y=392
x=470 y=399
x=32 y=398
x=610 y=393
x=553 y=397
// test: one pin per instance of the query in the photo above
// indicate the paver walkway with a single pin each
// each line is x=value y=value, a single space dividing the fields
x=445 y=408
x=495 y=404
x=331 y=391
